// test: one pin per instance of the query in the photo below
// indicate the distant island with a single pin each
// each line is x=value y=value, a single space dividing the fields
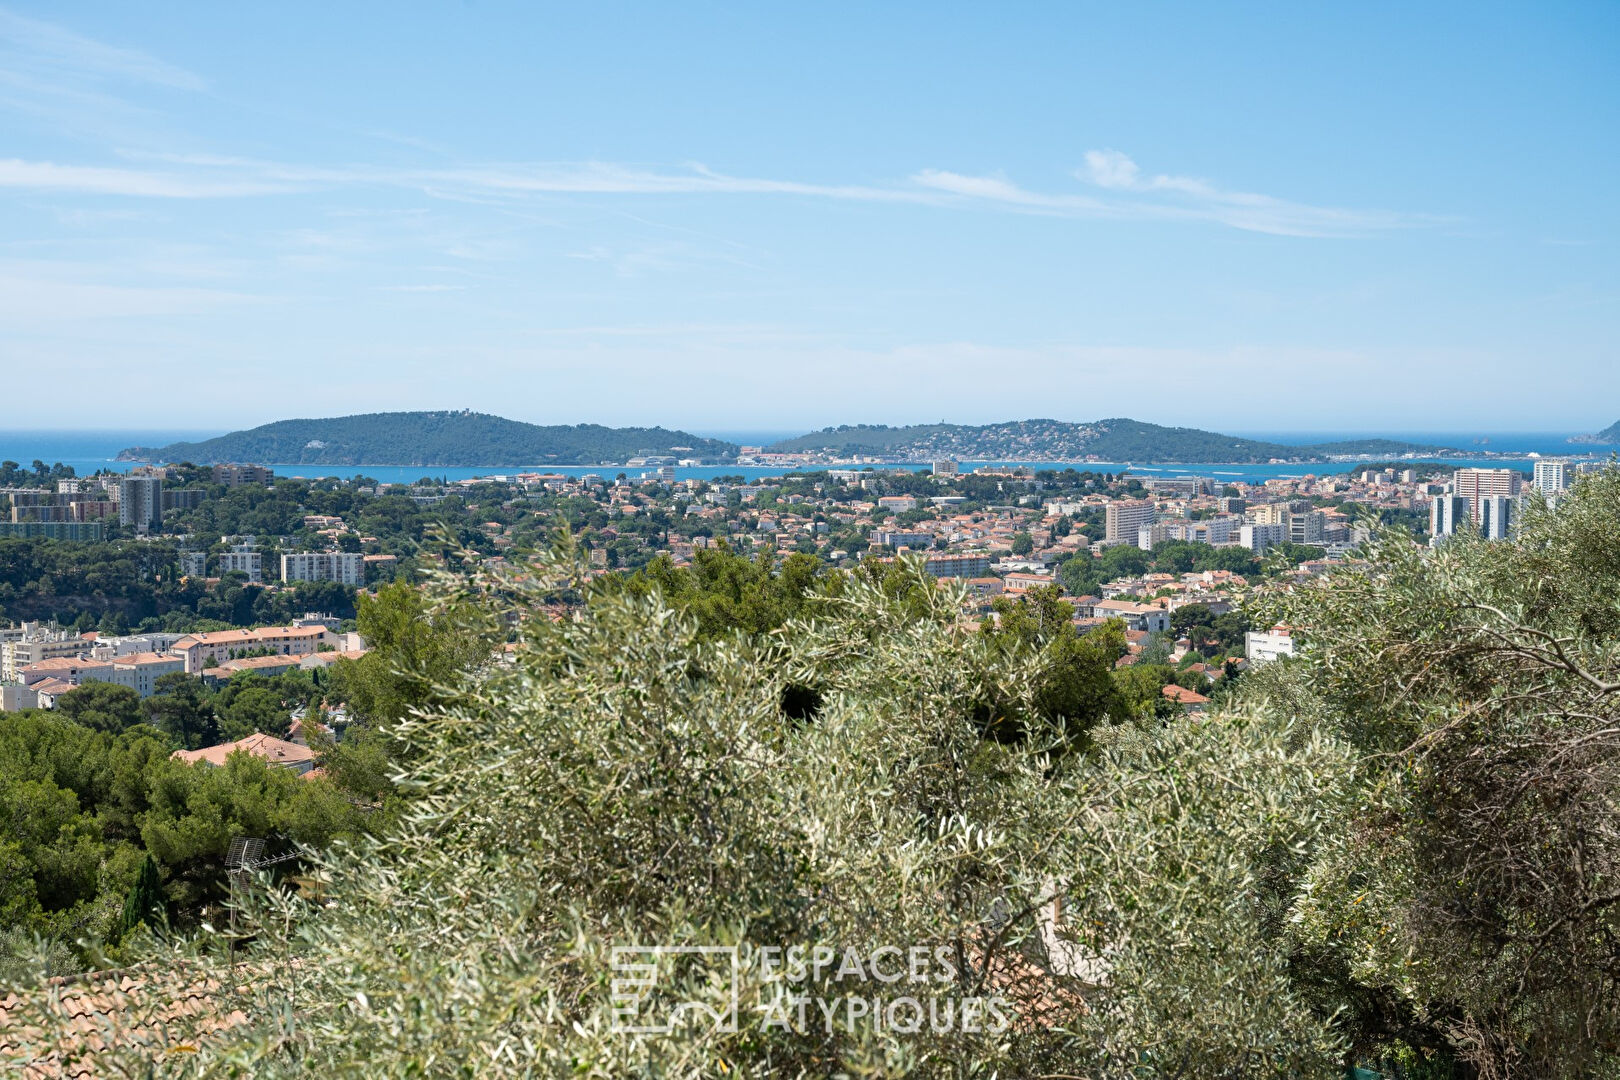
x=1115 y=439
x=469 y=440
x=434 y=439
x=1609 y=436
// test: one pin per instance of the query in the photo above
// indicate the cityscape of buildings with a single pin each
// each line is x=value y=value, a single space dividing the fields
x=1003 y=531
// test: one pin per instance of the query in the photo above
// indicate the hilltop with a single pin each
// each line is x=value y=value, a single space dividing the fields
x=1609 y=436
x=432 y=439
x=1117 y=439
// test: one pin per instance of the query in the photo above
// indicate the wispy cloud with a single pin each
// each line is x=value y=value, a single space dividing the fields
x=43 y=46
x=421 y=288
x=96 y=180
x=1185 y=196
x=1120 y=190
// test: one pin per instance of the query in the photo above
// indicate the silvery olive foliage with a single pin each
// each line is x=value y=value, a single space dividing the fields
x=1398 y=848
x=1469 y=902
x=615 y=780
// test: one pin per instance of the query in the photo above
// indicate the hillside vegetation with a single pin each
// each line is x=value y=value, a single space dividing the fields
x=1117 y=439
x=1397 y=850
x=432 y=439
x=1609 y=436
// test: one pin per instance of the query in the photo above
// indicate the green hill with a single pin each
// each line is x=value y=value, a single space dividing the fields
x=1609 y=436
x=1116 y=439
x=433 y=439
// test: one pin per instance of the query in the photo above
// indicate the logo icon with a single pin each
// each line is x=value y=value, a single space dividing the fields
x=641 y=970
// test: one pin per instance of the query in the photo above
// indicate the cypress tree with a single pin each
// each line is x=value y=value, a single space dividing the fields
x=145 y=902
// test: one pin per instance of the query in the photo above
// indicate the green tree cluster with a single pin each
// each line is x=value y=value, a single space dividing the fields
x=1397 y=850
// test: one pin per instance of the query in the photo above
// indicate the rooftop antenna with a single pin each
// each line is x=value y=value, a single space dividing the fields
x=243 y=859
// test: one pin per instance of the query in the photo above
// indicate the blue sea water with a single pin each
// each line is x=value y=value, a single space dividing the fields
x=90 y=451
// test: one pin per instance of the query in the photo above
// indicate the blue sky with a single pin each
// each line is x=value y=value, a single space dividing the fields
x=1268 y=217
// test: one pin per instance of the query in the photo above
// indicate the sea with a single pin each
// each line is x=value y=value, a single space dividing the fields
x=94 y=450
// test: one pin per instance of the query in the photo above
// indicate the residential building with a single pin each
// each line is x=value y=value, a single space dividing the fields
x=1498 y=514
x=194 y=563
x=1552 y=476
x=1189 y=487
x=242 y=559
x=897 y=503
x=1446 y=513
x=1477 y=485
x=112 y=648
x=83 y=531
x=1264 y=646
x=343 y=567
x=1015 y=584
x=1307 y=527
x=1260 y=536
x=141 y=671
x=899 y=538
x=1190 y=700
x=202 y=651
x=140 y=503
x=1124 y=518
x=1221 y=530
x=1148 y=618
x=964 y=564
x=1270 y=513
x=945 y=468
x=279 y=752
x=183 y=498
x=237 y=475
x=268 y=666
x=34 y=646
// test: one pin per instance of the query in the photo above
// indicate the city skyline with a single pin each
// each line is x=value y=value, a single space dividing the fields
x=728 y=220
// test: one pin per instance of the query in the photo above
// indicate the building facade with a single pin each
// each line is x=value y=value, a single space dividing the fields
x=140 y=503
x=1123 y=519
x=343 y=567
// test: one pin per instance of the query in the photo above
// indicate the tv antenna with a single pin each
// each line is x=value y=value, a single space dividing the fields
x=243 y=859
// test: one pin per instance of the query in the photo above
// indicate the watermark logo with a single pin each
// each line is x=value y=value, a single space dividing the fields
x=800 y=989
x=641 y=970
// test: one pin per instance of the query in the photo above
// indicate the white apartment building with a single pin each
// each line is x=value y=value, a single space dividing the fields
x=112 y=648
x=242 y=559
x=1219 y=530
x=958 y=565
x=1264 y=646
x=33 y=645
x=1124 y=519
x=1259 y=536
x=343 y=567
x=1307 y=528
x=1552 y=476
x=903 y=538
x=1447 y=513
x=1498 y=515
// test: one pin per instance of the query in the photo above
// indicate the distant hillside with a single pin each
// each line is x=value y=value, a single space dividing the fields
x=432 y=439
x=1375 y=448
x=1116 y=439
x=1609 y=436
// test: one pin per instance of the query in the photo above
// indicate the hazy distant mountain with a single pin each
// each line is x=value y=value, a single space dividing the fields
x=1609 y=436
x=448 y=439
x=1116 y=439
